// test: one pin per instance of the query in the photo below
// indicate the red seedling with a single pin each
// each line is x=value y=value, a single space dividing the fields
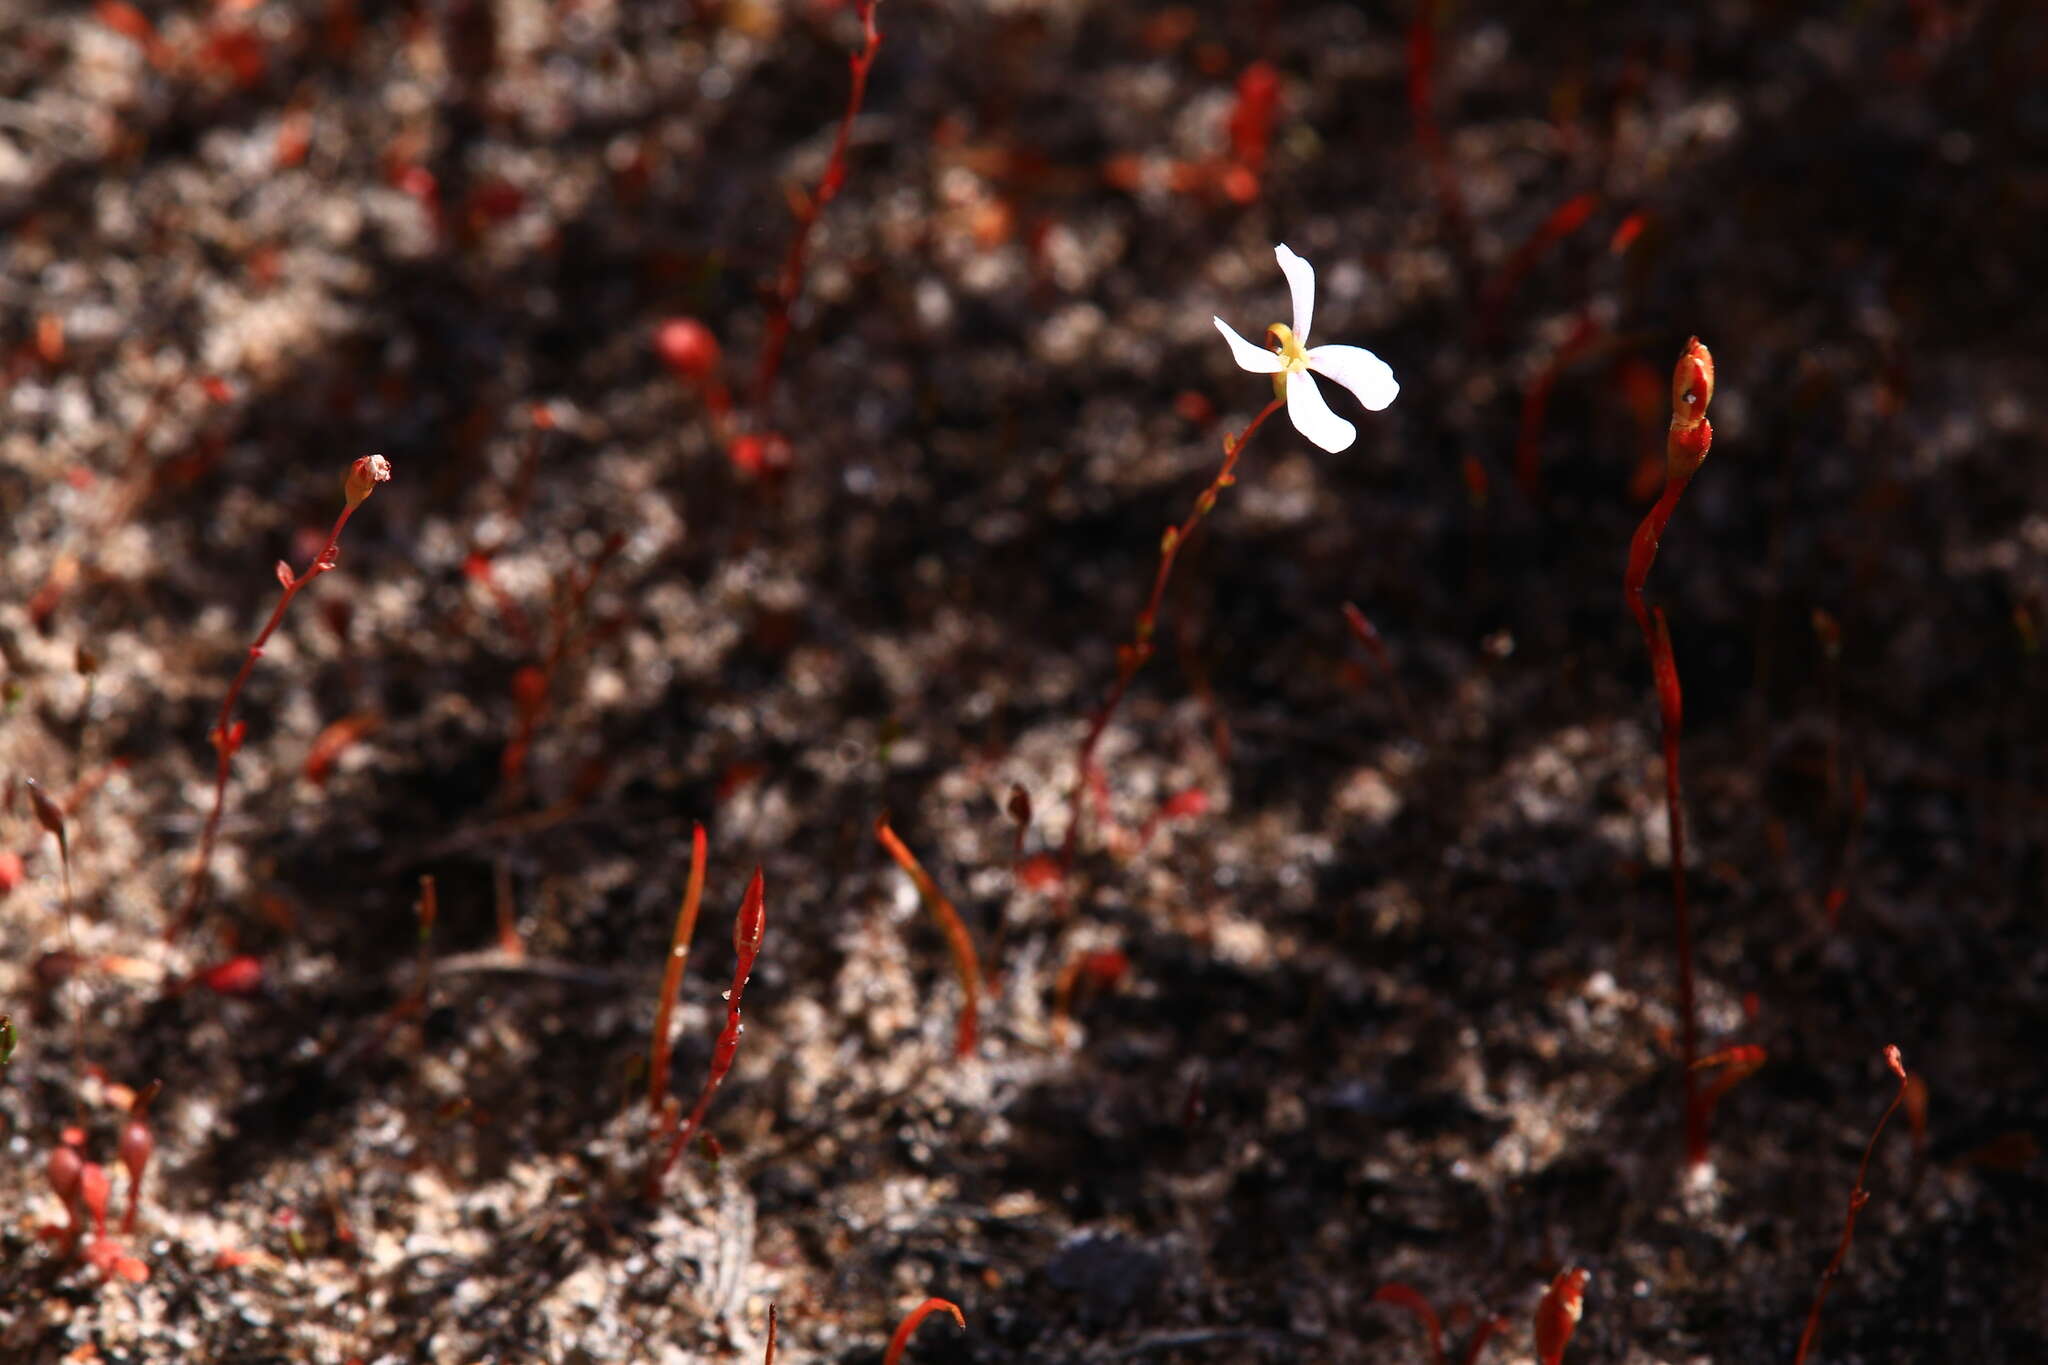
x=1736 y=1065
x=1375 y=645
x=691 y=353
x=1099 y=971
x=1422 y=111
x=533 y=685
x=363 y=477
x=94 y=1189
x=906 y=1328
x=1131 y=657
x=1858 y=1197
x=135 y=1148
x=1585 y=334
x=1557 y=1316
x=1401 y=1296
x=965 y=965
x=1251 y=130
x=768 y=1356
x=112 y=1260
x=238 y=975
x=64 y=1169
x=1563 y=221
x=1845 y=867
x=747 y=928
x=672 y=973
x=335 y=740
x=1686 y=445
x=775 y=335
x=51 y=817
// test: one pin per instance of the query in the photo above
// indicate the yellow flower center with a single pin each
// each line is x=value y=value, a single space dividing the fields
x=1291 y=351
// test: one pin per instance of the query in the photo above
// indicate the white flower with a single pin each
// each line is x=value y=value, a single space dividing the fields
x=1358 y=370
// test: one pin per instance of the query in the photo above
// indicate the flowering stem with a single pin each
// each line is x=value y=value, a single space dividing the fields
x=791 y=282
x=364 y=475
x=1690 y=437
x=1858 y=1197
x=1131 y=657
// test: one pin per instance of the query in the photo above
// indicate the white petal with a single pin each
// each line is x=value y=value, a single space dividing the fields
x=1358 y=370
x=1312 y=416
x=1301 y=282
x=1250 y=357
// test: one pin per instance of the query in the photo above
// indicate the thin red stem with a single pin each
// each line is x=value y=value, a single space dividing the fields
x=911 y=1321
x=1131 y=657
x=965 y=964
x=1858 y=1197
x=225 y=742
x=791 y=282
x=672 y=973
x=1686 y=445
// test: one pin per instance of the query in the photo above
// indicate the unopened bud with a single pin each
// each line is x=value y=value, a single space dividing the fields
x=364 y=476
x=1692 y=383
x=93 y=1191
x=63 y=1167
x=752 y=919
x=48 y=813
x=284 y=573
x=687 y=347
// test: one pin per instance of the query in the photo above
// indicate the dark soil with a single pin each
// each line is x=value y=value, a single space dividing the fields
x=1400 y=1003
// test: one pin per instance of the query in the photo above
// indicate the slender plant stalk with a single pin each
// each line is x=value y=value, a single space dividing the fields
x=1858 y=1197
x=50 y=816
x=747 y=928
x=911 y=1321
x=672 y=974
x=363 y=477
x=1686 y=445
x=791 y=282
x=965 y=965
x=1131 y=657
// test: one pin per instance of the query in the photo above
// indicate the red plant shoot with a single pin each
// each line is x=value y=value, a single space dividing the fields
x=747 y=928
x=137 y=1144
x=227 y=734
x=1858 y=1197
x=791 y=282
x=1375 y=645
x=965 y=965
x=1401 y=1296
x=1563 y=221
x=911 y=1321
x=1131 y=657
x=1686 y=445
x=1557 y=1316
x=1736 y=1065
x=1585 y=334
x=672 y=973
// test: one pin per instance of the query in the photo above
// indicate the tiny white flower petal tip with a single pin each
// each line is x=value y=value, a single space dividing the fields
x=1368 y=377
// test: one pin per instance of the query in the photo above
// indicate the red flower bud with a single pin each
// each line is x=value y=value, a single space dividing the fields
x=93 y=1189
x=687 y=347
x=364 y=476
x=63 y=1168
